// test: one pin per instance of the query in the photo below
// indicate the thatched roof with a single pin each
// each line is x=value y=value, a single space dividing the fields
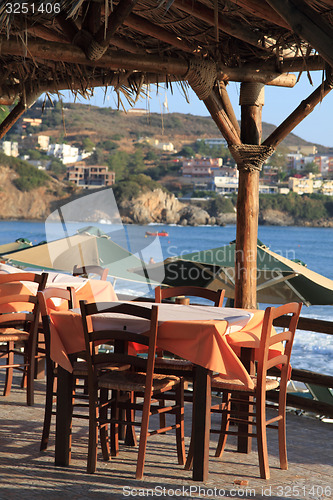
x=84 y=43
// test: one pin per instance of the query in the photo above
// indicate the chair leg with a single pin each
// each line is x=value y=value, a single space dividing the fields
x=9 y=371
x=93 y=434
x=282 y=431
x=180 y=422
x=48 y=404
x=161 y=404
x=224 y=424
x=104 y=437
x=262 y=437
x=143 y=436
x=31 y=362
x=114 y=428
x=130 y=435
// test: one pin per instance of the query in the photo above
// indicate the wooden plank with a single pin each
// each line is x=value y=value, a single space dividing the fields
x=308 y=324
x=307 y=377
x=308 y=24
x=304 y=403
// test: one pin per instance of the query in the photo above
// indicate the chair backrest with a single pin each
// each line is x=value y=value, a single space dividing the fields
x=100 y=271
x=40 y=279
x=189 y=291
x=44 y=299
x=118 y=332
x=15 y=307
x=67 y=294
x=269 y=338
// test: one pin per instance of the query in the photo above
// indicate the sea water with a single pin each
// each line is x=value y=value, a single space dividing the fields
x=313 y=246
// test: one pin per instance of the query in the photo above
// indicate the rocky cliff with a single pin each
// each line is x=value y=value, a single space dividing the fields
x=161 y=207
x=152 y=206
x=31 y=205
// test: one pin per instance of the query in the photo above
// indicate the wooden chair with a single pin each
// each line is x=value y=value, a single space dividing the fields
x=170 y=365
x=84 y=271
x=19 y=323
x=234 y=389
x=189 y=291
x=127 y=385
x=182 y=293
x=80 y=370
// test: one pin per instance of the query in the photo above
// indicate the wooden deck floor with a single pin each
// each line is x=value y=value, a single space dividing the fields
x=25 y=473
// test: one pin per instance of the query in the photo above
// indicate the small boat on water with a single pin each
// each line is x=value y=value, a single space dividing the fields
x=156 y=233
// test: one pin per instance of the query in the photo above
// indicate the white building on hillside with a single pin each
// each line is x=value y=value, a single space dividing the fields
x=66 y=153
x=215 y=141
x=9 y=148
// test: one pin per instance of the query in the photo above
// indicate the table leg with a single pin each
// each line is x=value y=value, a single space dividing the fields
x=64 y=412
x=244 y=443
x=201 y=422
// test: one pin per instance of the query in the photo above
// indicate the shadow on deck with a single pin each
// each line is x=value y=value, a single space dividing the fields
x=27 y=473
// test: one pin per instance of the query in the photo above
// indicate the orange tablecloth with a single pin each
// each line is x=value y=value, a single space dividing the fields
x=202 y=342
x=92 y=290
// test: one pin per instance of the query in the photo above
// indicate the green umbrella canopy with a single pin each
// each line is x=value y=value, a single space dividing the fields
x=279 y=280
x=89 y=247
x=13 y=246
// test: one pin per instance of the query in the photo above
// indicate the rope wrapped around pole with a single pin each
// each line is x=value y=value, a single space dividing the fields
x=201 y=76
x=250 y=157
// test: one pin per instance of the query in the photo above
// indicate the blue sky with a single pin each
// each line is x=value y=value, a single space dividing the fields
x=279 y=103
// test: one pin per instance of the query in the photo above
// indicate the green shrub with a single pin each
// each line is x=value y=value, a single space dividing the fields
x=309 y=207
x=29 y=176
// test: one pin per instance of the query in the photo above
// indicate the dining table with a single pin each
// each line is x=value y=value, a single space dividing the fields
x=209 y=337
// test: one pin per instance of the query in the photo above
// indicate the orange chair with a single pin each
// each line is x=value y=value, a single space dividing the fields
x=19 y=323
x=140 y=380
x=84 y=271
x=234 y=389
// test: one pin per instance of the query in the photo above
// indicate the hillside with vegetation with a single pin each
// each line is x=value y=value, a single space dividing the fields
x=75 y=121
x=121 y=141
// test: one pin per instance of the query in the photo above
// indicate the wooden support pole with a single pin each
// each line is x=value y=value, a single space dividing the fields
x=216 y=109
x=312 y=63
x=115 y=20
x=252 y=74
x=308 y=24
x=303 y=110
x=16 y=113
x=114 y=60
x=92 y=17
x=233 y=28
x=140 y=24
x=228 y=107
x=260 y=9
x=248 y=202
x=68 y=26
